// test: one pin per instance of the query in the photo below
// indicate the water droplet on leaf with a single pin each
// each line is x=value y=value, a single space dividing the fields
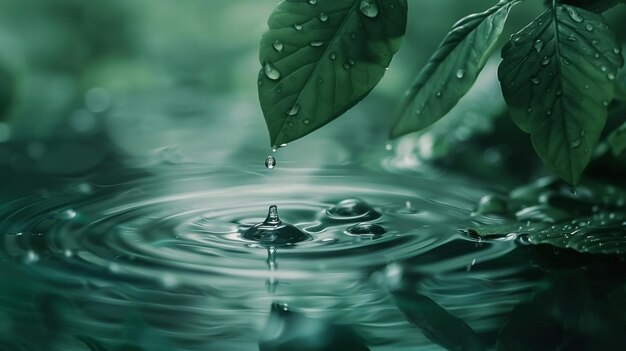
x=297 y=27
x=369 y=8
x=536 y=80
x=270 y=71
x=460 y=74
x=538 y=45
x=573 y=14
x=588 y=27
x=316 y=44
x=278 y=45
x=293 y=111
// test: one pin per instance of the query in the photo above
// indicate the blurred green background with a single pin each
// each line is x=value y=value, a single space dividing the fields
x=129 y=83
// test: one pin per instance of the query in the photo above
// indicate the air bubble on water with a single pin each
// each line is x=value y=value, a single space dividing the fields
x=369 y=8
x=460 y=74
x=297 y=27
x=270 y=71
x=323 y=17
x=573 y=14
x=278 y=45
x=274 y=232
x=350 y=209
x=588 y=27
x=316 y=43
x=538 y=45
x=372 y=230
x=270 y=162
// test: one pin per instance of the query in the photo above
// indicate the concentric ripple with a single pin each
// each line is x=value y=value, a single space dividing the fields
x=174 y=244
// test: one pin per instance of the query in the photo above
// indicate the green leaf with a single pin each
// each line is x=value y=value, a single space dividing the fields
x=319 y=58
x=620 y=91
x=592 y=5
x=452 y=70
x=557 y=78
x=617 y=140
x=436 y=323
x=93 y=344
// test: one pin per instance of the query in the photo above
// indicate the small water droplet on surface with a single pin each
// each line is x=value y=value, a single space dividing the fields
x=333 y=56
x=350 y=209
x=270 y=71
x=617 y=51
x=273 y=231
x=369 y=8
x=316 y=44
x=572 y=38
x=306 y=121
x=270 y=162
x=373 y=230
x=438 y=93
x=293 y=111
x=460 y=74
x=588 y=27
x=297 y=27
x=545 y=61
x=278 y=45
x=388 y=147
x=576 y=143
x=312 y=2
x=529 y=110
x=68 y=214
x=549 y=112
x=323 y=17
x=605 y=103
x=346 y=65
x=611 y=76
x=566 y=61
x=538 y=45
x=573 y=14
x=536 y=80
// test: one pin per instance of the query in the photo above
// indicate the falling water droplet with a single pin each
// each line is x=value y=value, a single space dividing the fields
x=460 y=74
x=573 y=14
x=270 y=71
x=369 y=8
x=270 y=162
x=588 y=27
x=323 y=17
x=538 y=45
x=278 y=45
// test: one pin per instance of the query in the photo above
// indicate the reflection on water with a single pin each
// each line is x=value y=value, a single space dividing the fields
x=179 y=260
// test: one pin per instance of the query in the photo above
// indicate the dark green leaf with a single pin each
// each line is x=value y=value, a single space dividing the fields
x=617 y=140
x=436 y=323
x=592 y=5
x=557 y=78
x=319 y=58
x=452 y=70
x=620 y=91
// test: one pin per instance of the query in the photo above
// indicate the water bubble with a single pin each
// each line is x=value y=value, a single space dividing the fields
x=297 y=27
x=369 y=8
x=588 y=27
x=350 y=209
x=270 y=162
x=460 y=74
x=316 y=44
x=68 y=214
x=536 y=80
x=368 y=230
x=538 y=45
x=278 y=45
x=270 y=71
x=573 y=14
x=274 y=232
x=323 y=17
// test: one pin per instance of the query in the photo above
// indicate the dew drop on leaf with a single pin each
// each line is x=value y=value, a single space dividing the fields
x=293 y=111
x=297 y=27
x=573 y=14
x=460 y=74
x=306 y=121
x=549 y=112
x=312 y=2
x=536 y=80
x=270 y=162
x=617 y=51
x=369 y=8
x=278 y=45
x=538 y=45
x=576 y=143
x=270 y=71
x=611 y=76
x=333 y=56
x=323 y=17
x=588 y=27
x=545 y=61
x=316 y=44
x=439 y=93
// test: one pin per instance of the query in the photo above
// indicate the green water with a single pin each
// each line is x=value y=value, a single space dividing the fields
x=158 y=260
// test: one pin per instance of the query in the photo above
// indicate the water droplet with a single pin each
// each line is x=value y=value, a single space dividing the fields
x=351 y=62
x=388 y=147
x=270 y=162
x=316 y=44
x=603 y=69
x=369 y=8
x=576 y=143
x=546 y=61
x=588 y=27
x=611 y=76
x=278 y=45
x=536 y=80
x=270 y=71
x=306 y=121
x=350 y=209
x=353 y=35
x=439 y=93
x=31 y=257
x=368 y=230
x=573 y=14
x=460 y=74
x=529 y=110
x=297 y=27
x=617 y=51
x=346 y=65
x=68 y=214
x=273 y=231
x=293 y=111
x=549 y=112
x=572 y=38
x=312 y=2
x=333 y=56
x=566 y=61
x=559 y=92
x=538 y=45
x=605 y=103
x=323 y=17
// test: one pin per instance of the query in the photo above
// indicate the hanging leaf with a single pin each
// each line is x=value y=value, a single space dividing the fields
x=319 y=58
x=617 y=140
x=452 y=70
x=557 y=77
